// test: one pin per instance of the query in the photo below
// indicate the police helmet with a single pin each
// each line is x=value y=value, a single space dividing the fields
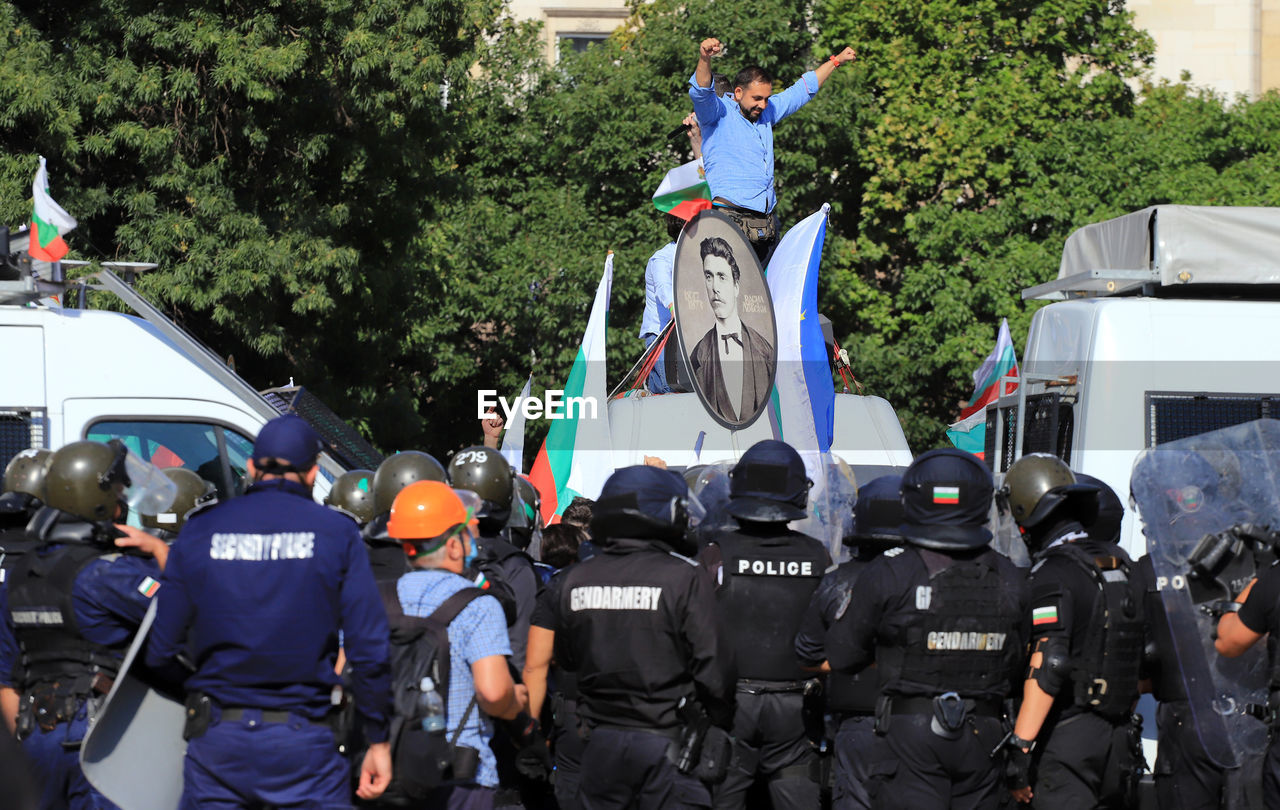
x=1038 y=483
x=946 y=495
x=644 y=502
x=485 y=472
x=531 y=499
x=25 y=472
x=1106 y=526
x=878 y=516
x=399 y=471
x=87 y=479
x=352 y=493
x=193 y=493
x=769 y=484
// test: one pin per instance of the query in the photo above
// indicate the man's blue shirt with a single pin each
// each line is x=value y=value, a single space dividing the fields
x=479 y=631
x=738 y=154
x=657 y=290
x=256 y=589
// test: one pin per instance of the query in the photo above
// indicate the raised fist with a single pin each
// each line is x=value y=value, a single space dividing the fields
x=709 y=48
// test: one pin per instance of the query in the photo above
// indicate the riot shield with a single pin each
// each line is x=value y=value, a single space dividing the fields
x=711 y=487
x=1194 y=495
x=134 y=749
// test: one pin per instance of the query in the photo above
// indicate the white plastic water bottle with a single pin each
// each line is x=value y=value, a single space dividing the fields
x=430 y=706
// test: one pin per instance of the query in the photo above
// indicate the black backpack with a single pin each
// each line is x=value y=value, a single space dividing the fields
x=421 y=760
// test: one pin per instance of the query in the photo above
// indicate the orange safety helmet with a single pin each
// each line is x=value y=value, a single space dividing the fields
x=426 y=514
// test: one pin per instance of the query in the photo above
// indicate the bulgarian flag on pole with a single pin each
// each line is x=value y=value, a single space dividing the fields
x=48 y=221
x=970 y=433
x=684 y=191
x=577 y=455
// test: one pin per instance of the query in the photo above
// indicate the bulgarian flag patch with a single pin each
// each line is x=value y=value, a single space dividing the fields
x=148 y=587
x=946 y=495
x=1048 y=614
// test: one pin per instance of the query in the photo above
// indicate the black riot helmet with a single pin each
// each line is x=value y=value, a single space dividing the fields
x=352 y=493
x=769 y=485
x=25 y=472
x=946 y=495
x=531 y=499
x=485 y=472
x=87 y=479
x=878 y=515
x=193 y=493
x=1106 y=526
x=647 y=503
x=1039 y=483
x=399 y=471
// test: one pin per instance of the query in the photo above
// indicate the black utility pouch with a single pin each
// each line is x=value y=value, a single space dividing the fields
x=466 y=761
x=949 y=713
x=713 y=761
x=884 y=712
x=199 y=715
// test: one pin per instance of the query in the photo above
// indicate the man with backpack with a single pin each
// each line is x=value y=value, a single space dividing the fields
x=447 y=642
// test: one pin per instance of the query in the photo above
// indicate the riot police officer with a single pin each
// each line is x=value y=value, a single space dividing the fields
x=851 y=699
x=352 y=494
x=765 y=576
x=193 y=494
x=72 y=607
x=23 y=494
x=942 y=623
x=255 y=593
x=396 y=472
x=1073 y=742
x=632 y=624
x=485 y=472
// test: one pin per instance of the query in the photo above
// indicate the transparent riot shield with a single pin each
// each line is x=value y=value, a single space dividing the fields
x=134 y=749
x=711 y=487
x=1191 y=494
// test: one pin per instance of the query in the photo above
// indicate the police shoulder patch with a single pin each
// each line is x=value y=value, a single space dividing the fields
x=148 y=587
x=1046 y=614
x=844 y=603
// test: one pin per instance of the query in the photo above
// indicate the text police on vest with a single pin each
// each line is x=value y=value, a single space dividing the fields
x=260 y=547
x=605 y=597
x=776 y=568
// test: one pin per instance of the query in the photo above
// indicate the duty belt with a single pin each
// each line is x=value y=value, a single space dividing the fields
x=924 y=705
x=234 y=714
x=751 y=686
x=672 y=734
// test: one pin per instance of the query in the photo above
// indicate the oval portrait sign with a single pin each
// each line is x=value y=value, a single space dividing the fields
x=724 y=320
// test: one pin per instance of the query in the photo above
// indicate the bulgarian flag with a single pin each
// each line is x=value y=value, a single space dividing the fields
x=970 y=433
x=48 y=221
x=684 y=191
x=577 y=455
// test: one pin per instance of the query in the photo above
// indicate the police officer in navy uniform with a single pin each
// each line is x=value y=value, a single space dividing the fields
x=255 y=593
x=766 y=574
x=1072 y=743
x=851 y=699
x=942 y=622
x=22 y=495
x=71 y=607
x=633 y=624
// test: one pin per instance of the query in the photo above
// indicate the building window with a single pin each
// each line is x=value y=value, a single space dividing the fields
x=578 y=42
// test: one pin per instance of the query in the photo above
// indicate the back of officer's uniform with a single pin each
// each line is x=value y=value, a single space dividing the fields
x=256 y=593
x=767 y=579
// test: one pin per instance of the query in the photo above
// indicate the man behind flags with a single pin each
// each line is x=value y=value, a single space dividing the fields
x=48 y=221
x=970 y=433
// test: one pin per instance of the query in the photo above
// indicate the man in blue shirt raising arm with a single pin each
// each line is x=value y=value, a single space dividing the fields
x=737 y=139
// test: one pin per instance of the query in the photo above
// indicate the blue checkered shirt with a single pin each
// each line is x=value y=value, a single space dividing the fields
x=479 y=631
x=737 y=153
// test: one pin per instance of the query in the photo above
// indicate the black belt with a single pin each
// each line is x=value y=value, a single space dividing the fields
x=721 y=202
x=667 y=733
x=924 y=705
x=234 y=714
x=753 y=686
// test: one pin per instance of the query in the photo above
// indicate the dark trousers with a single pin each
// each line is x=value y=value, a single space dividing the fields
x=54 y=757
x=629 y=770
x=1072 y=763
x=569 y=746
x=857 y=750
x=924 y=771
x=295 y=764
x=1185 y=778
x=772 y=745
x=460 y=797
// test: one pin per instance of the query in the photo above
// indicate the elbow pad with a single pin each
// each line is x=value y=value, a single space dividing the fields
x=1055 y=665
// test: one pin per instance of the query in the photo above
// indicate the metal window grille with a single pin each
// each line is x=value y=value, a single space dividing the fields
x=21 y=429
x=1050 y=427
x=1173 y=416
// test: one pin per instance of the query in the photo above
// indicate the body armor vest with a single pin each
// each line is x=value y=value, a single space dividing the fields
x=960 y=632
x=1105 y=673
x=767 y=584
x=44 y=623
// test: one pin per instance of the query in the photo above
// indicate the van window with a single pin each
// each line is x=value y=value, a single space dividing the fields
x=1178 y=415
x=215 y=453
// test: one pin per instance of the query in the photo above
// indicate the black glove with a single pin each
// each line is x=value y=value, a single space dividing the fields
x=533 y=758
x=1017 y=766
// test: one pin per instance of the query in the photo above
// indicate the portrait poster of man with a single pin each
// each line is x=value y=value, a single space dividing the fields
x=724 y=320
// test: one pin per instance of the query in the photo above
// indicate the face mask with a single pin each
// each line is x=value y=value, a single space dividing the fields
x=469 y=560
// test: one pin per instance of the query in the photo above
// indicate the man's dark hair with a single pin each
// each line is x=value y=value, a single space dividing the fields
x=674 y=225
x=755 y=73
x=560 y=543
x=578 y=513
x=715 y=246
